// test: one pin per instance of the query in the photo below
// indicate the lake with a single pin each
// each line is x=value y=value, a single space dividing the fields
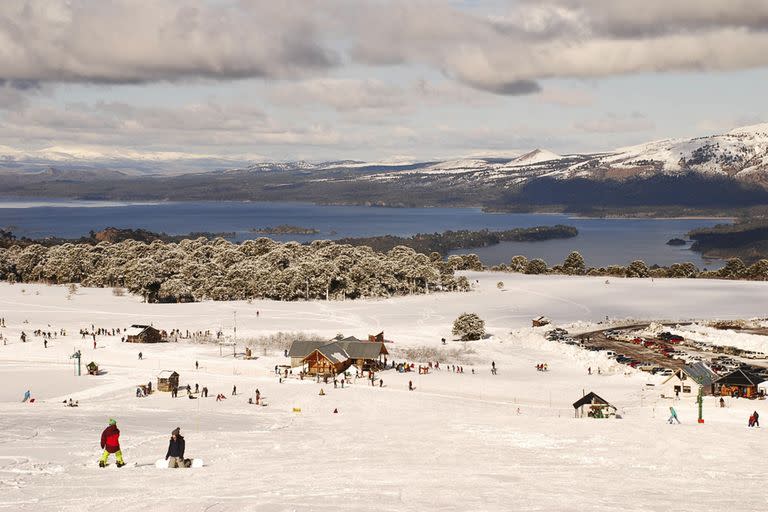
x=601 y=241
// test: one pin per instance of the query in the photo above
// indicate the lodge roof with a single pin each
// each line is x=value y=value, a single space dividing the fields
x=589 y=399
x=137 y=329
x=302 y=348
x=739 y=377
x=334 y=352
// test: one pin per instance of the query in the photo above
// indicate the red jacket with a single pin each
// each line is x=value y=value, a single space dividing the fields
x=110 y=439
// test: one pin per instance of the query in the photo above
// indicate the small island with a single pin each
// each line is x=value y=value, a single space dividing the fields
x=285 y=229
x=677 y=241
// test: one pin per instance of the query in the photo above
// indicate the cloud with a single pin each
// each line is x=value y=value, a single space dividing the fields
x=507 y=51
x=343 y=95
x=614 y=123
x=133 y=41
x=565 y=97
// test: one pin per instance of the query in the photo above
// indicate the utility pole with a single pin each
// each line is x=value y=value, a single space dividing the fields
x=76 y=357
x=700 y=401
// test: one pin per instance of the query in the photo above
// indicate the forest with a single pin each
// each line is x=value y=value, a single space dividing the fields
x=202 y=269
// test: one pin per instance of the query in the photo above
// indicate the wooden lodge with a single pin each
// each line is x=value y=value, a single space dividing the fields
x=335 y=356
x=738 y=383
x=142 y=334
x=329 y=359
x=167 y=380
x=596 y=407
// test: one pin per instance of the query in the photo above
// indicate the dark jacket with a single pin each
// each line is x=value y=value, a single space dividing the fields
x=175 y=448
x=110 y=439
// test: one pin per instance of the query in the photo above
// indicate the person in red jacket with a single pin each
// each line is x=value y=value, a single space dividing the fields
x=110 y=443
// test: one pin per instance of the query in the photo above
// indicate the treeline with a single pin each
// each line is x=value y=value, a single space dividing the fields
x=747 y=240
x=443 y=243
x=200 y=269
x=575 y=265
x=110 y=234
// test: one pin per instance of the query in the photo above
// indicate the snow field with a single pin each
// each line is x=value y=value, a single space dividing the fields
x=456 y=443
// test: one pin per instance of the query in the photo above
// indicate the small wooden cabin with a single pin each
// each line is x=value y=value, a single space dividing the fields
x=596 y=407
x=142 y=334
x=93 y=368
x=740 y=383
x=167 y=380
x=330 y=359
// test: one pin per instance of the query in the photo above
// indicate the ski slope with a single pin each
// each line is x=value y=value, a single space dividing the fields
x=458 y=442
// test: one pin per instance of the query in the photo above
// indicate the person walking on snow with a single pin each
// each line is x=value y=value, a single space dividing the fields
x=175 y=449
x=757 y=419
x=673 y=415
x=110 y=443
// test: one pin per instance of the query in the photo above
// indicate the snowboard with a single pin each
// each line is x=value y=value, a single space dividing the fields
x=163 y=464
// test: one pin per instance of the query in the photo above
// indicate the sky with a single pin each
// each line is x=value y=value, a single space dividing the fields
x=372 y=80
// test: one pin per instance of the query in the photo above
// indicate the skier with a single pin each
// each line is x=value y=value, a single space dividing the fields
x=722 y=402
x=589 y=371
x=27 y=396
x=141 y=356
x=234 y=390
x=757 y=418
x=410 y=385
x=175 y=449
x=110 y=443
x=673 y=415
x=197 y=365
x=45 y=343
x=258 y=396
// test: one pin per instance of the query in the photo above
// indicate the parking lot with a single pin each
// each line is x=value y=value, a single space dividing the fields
x=657 y=355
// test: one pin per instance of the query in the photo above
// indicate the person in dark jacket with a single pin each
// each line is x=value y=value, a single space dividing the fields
x=175 y=454
x=110 y=443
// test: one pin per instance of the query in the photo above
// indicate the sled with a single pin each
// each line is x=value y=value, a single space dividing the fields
x=163 y=464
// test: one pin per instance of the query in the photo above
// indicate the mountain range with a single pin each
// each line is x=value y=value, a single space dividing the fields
x=712 y=171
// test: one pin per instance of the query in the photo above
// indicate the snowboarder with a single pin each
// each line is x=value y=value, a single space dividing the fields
x=175 y=449
x=27 y=396
x=110 y=443
x=673 y=415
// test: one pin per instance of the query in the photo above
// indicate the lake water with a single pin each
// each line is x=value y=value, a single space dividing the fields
x=601 y=241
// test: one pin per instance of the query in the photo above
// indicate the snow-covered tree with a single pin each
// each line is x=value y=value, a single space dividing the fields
x=469 y=326
x=574 y=264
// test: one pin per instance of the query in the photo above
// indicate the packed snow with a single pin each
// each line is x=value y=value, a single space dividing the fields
x=459 y=441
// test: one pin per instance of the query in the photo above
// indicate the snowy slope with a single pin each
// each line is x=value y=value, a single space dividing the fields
x=458 y=442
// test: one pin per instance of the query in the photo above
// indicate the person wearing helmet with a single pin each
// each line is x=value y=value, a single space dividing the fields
x=110 y=443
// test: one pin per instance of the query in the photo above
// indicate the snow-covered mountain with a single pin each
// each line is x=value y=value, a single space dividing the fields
x=741 y=154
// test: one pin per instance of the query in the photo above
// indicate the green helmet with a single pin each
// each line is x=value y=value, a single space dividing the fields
x=112 y=421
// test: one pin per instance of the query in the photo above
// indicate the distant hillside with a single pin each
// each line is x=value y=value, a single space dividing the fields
x=714 y=172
